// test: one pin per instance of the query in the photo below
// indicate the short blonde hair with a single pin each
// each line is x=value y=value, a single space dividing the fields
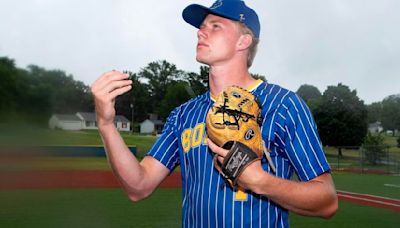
x=254 y=44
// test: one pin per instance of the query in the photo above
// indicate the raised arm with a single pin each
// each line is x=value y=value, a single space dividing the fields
x=139 y=179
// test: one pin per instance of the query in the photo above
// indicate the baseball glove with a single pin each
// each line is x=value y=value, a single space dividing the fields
x=233 y=123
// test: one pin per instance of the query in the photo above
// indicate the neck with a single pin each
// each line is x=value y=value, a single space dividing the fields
x=221 y=77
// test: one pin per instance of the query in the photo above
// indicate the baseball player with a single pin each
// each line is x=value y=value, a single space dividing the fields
x=228 y=33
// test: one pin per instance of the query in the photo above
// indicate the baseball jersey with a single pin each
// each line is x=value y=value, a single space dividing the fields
x=288 y=130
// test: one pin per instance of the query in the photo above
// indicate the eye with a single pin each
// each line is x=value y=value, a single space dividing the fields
x=215 y=26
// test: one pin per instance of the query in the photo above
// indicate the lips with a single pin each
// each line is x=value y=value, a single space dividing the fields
x=201 y=44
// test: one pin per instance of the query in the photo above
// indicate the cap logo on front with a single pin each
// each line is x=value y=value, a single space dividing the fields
x=242 y=18
x=217 y=4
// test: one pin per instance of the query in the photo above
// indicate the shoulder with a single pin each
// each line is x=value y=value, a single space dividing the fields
x=272 y=96
x=190 y=105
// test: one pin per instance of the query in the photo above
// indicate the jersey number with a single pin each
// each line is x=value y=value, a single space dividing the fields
x=192 y=137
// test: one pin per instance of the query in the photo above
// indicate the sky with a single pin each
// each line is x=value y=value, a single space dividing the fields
x=320 y=43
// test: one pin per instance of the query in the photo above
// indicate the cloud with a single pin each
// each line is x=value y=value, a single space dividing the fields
x=315 y=42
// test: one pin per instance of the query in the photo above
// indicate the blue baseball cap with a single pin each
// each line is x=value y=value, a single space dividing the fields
x=231 y=9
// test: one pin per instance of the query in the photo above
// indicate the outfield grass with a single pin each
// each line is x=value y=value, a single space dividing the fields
x=41 y=163
x=43 y=137
x=88 y=208
x=350 y=215
x=111 y=208
x=374 y=184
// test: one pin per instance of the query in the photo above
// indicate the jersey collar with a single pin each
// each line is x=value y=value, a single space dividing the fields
x=250 y=88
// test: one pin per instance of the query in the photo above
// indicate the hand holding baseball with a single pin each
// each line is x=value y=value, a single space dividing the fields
x=105 y=89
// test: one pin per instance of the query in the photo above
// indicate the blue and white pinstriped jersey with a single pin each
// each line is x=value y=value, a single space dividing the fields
x=290 y=133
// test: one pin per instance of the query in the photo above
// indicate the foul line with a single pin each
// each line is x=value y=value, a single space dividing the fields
x=370 y=200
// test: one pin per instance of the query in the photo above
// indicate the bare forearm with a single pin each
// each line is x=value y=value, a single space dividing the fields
x=313 y=198
x=124 y=164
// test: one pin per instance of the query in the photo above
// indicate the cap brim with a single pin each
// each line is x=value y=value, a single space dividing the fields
x=195 y=14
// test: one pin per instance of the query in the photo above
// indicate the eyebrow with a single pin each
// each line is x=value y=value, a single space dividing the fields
x=213 y=21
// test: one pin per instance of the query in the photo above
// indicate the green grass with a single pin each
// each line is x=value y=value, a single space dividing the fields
x=368 y=184
x=111 y=208
x=350 y=215
x=88 y=208
x=54 y=163
x=40 y=137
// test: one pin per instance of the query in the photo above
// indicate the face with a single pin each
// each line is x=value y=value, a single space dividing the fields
x=217 y=40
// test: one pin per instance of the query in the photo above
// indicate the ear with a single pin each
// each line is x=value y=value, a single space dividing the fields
x=244 y=42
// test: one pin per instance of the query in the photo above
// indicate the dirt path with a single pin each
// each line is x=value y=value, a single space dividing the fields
x=105 y=179
x=370 y=200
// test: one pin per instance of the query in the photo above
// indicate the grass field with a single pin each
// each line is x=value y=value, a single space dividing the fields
x=111 y=208
x=88 y=208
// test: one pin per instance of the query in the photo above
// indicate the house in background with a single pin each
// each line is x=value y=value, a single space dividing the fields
x=84 y=121
x=122 y=123
x=375 y=127
x=65 y=122
x=88 y=120
x=151 y=125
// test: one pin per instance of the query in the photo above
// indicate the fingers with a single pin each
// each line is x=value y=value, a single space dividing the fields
x=110 y=85
x=120 y=91
x=216 y=149
x=113 y=85
x=104 y=81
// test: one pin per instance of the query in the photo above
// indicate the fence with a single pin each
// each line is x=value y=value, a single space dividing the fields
x=371 y=159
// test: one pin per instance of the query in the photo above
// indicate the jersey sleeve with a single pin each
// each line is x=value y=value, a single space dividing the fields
x=302 y=143
x=166 y=149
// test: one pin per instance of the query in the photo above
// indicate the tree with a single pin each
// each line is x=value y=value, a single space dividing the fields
x=138 y=96
x=311 y=95
x=398 y=142
x=66 y=94
x=374 y=148
x=159 y=75
x=341 y=117
x=204 y=73
x=391 y=113
x=175 y=96
x=197 y=85
x=374 y=112
x=8 y=92
x=308 y=92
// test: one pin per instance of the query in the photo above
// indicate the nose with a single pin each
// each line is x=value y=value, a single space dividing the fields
x=202 y=33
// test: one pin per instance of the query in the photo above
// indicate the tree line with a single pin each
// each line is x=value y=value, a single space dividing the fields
x=31 y=95
x=34 y=93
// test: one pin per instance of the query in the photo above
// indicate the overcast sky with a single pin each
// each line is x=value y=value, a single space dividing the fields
x=322 y=43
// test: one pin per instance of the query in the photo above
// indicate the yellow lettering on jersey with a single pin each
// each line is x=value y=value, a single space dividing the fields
x=240 y=195
x=185 y=138
x=198 y=133
x=193 y=137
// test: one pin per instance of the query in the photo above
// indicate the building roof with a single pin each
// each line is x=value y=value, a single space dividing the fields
x=91 y=116
x=88 y=116
x=121 y=118
x=155 y=122
x=67 y=117
x=375 y=125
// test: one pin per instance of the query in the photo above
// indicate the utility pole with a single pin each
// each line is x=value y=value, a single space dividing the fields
x=131 y=105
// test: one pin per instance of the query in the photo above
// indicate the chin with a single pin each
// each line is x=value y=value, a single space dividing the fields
x=202 y=60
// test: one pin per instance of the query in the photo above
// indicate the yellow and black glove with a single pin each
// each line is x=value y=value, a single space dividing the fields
x=233 y=123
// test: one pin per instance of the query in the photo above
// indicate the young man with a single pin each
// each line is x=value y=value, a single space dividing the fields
x=227 y=38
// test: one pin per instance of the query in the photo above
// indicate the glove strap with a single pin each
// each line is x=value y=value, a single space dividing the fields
x=239 y=157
